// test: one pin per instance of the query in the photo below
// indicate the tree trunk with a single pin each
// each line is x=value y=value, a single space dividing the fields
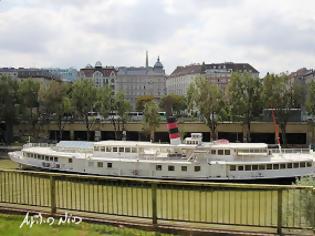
x=283 y=133
x=87 y=127
x=60 y=127
x=248 y=132
x=152 y=135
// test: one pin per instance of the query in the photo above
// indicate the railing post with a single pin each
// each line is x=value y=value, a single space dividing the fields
x=154 y=204
x=313 y=209
x=52 y=195
x=279 y=212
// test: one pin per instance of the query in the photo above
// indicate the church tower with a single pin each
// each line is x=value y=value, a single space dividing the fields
x=146 y=59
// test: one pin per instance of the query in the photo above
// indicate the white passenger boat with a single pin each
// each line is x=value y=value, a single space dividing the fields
x=191 y=160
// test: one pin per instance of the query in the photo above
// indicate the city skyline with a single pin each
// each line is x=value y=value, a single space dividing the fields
x=272 y=36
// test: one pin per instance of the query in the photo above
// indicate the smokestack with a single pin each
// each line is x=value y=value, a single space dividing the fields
x=173 y=132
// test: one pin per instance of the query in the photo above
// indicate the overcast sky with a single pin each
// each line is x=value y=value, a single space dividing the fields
x=272 y=35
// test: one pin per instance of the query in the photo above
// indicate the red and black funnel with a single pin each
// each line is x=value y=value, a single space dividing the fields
x=173 y=130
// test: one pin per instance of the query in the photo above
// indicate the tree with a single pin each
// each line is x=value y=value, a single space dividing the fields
x=28 y=98
x=208 y=100
x=8 y=106
x=151 y=118
x=121 y=107
x=173 y=103
x=104 y=99
x=310 y=98
x=276 y=92
x=142 y=100
x=244 y=95
x=56 y=103
x=84 y=100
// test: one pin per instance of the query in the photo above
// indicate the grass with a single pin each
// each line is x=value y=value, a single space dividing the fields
x=9 y=226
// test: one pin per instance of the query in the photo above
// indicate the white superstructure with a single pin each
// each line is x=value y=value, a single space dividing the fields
x=193 y=160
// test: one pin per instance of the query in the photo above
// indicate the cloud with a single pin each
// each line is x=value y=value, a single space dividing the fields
x=271 y=35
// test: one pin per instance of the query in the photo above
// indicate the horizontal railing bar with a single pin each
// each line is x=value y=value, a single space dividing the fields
x=164 y=182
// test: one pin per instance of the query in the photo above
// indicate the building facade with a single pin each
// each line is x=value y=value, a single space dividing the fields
x=66 y=75
x=101 y=76
x=140 y=81
x=217 y=73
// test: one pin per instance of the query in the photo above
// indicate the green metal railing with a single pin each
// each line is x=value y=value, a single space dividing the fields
x=194 y=202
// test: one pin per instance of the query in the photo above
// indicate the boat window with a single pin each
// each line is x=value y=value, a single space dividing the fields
x=261 y=167
x=108 y=149
x=121 y=149
x=240 y=168
x=46 y=158
x=55 y=159
x=248 y=167
x=289 y=165
x=171 y=168
x=197 y=168
x=282 y=166
x=302 y=164
x=57 y=165
x=133 y=149
x=102 y=149
x=232 y=168
x=109 y=165
x=296 y=165
x=158 y=167
x=43 y=157
x=96 y=149
x=220 y=152
x=275 y=166
x=309 y=164
x=70 y=160
x=269 y=166
x=100 y=164
x=255 y=167
x=114 y=149
x=227 y=152
x=127 y=149
x=213 y=152
x=184 y=168
x=51 y=158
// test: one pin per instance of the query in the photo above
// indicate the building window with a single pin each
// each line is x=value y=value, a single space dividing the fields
x=100 y=164
x=158 y=167
x=184 y=168
x=109 y=165
x=171 y=168
x=197 y=168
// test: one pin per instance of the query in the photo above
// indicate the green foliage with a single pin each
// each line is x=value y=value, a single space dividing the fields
x=29 y=100
x=104 y=99
x=207 y=98
x=84 y=100
x=276 y=93
x=142 y=100
x=8 y=105
x=121 y=106
x=151 y=118
x=310 y=99
x=173 y=103
x=55 y=102
x=244 y=95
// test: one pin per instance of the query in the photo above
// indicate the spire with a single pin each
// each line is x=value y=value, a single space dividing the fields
x=146 y=59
